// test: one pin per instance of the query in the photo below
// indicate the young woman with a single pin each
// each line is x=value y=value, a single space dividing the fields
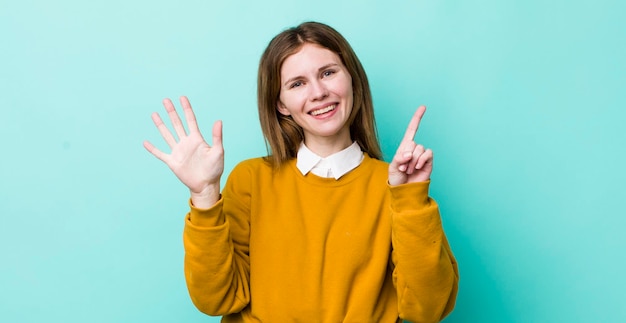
x=320 y=230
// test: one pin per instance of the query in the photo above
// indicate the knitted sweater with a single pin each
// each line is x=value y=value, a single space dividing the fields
x=282 y=247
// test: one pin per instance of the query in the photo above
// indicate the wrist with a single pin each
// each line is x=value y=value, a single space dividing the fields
x=207 y=197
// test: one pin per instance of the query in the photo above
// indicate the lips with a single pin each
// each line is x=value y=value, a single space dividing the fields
x=323 y=110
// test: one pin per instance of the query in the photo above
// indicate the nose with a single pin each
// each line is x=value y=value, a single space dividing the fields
x=318 y=90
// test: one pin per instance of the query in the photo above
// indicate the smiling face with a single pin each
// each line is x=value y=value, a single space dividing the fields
x=316 y=91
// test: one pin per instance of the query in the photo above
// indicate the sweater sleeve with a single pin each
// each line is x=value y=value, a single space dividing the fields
x=216 y=240
x=425 y=271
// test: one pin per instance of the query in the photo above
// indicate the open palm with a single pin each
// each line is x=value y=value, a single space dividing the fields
x=196 y=164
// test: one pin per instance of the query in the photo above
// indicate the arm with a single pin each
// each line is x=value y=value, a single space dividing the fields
x=425 y=274
x=215 y=264
x=425 y=271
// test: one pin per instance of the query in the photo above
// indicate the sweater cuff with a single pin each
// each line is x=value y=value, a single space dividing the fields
x=410 y=196
x=210 y=217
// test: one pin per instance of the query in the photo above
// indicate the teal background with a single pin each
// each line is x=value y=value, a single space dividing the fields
x=526 y=102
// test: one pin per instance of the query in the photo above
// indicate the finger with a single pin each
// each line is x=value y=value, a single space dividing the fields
x=415 y=156
x=192 y=124
x=217 y=134
x=165 y=133
x=155 y=151
x=425 y=158
x=176 y=123
x=411 y=130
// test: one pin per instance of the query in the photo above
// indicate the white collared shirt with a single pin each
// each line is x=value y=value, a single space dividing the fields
x=335 y=165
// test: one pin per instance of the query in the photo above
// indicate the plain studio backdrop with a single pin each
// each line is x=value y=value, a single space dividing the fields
x=525 y=102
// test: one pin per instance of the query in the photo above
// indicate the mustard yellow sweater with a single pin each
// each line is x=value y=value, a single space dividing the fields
x=283 y=247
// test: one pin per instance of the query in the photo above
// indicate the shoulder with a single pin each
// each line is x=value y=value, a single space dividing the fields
x=377 y=162
x=245 y=177
x=378 y=165
x=257 y=174
x=252 y=165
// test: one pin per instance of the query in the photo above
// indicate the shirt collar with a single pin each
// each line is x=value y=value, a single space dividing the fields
x=335 y=165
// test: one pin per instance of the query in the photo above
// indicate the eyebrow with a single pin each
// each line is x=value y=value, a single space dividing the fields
x=319 y=69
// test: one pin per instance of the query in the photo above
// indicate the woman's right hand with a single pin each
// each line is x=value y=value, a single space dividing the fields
x=197 y=165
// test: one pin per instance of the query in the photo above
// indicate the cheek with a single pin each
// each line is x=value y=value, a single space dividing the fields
x=283 y=101
x=282 y=105
x=287 y=104
x=349 y=92
x=292 y=99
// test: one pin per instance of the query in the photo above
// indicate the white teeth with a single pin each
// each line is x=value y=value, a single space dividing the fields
x=320 y=111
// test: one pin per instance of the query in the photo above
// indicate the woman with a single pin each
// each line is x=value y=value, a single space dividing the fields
x=321 y=230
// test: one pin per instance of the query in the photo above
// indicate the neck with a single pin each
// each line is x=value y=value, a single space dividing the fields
x=325 y=147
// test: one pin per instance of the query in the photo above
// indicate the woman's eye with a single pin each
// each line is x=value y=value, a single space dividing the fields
x=328 y=73
x=296 y=84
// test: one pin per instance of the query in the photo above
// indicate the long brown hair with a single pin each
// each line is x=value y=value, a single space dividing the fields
x=281 y=132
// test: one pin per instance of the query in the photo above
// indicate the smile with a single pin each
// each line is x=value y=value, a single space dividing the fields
x=324 y=110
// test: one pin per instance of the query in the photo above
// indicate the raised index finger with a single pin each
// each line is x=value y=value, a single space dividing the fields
x=411 y=130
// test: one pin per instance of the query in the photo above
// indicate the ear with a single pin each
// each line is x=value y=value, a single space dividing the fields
x=282 y=109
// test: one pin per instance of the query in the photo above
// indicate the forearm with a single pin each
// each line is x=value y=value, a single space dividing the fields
x=426 y=277
x=217 y=274
x=425 y=274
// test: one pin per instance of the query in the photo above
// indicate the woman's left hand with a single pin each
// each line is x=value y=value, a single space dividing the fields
x=412 y=162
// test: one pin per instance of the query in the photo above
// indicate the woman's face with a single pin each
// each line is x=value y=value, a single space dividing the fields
x=316 y=90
